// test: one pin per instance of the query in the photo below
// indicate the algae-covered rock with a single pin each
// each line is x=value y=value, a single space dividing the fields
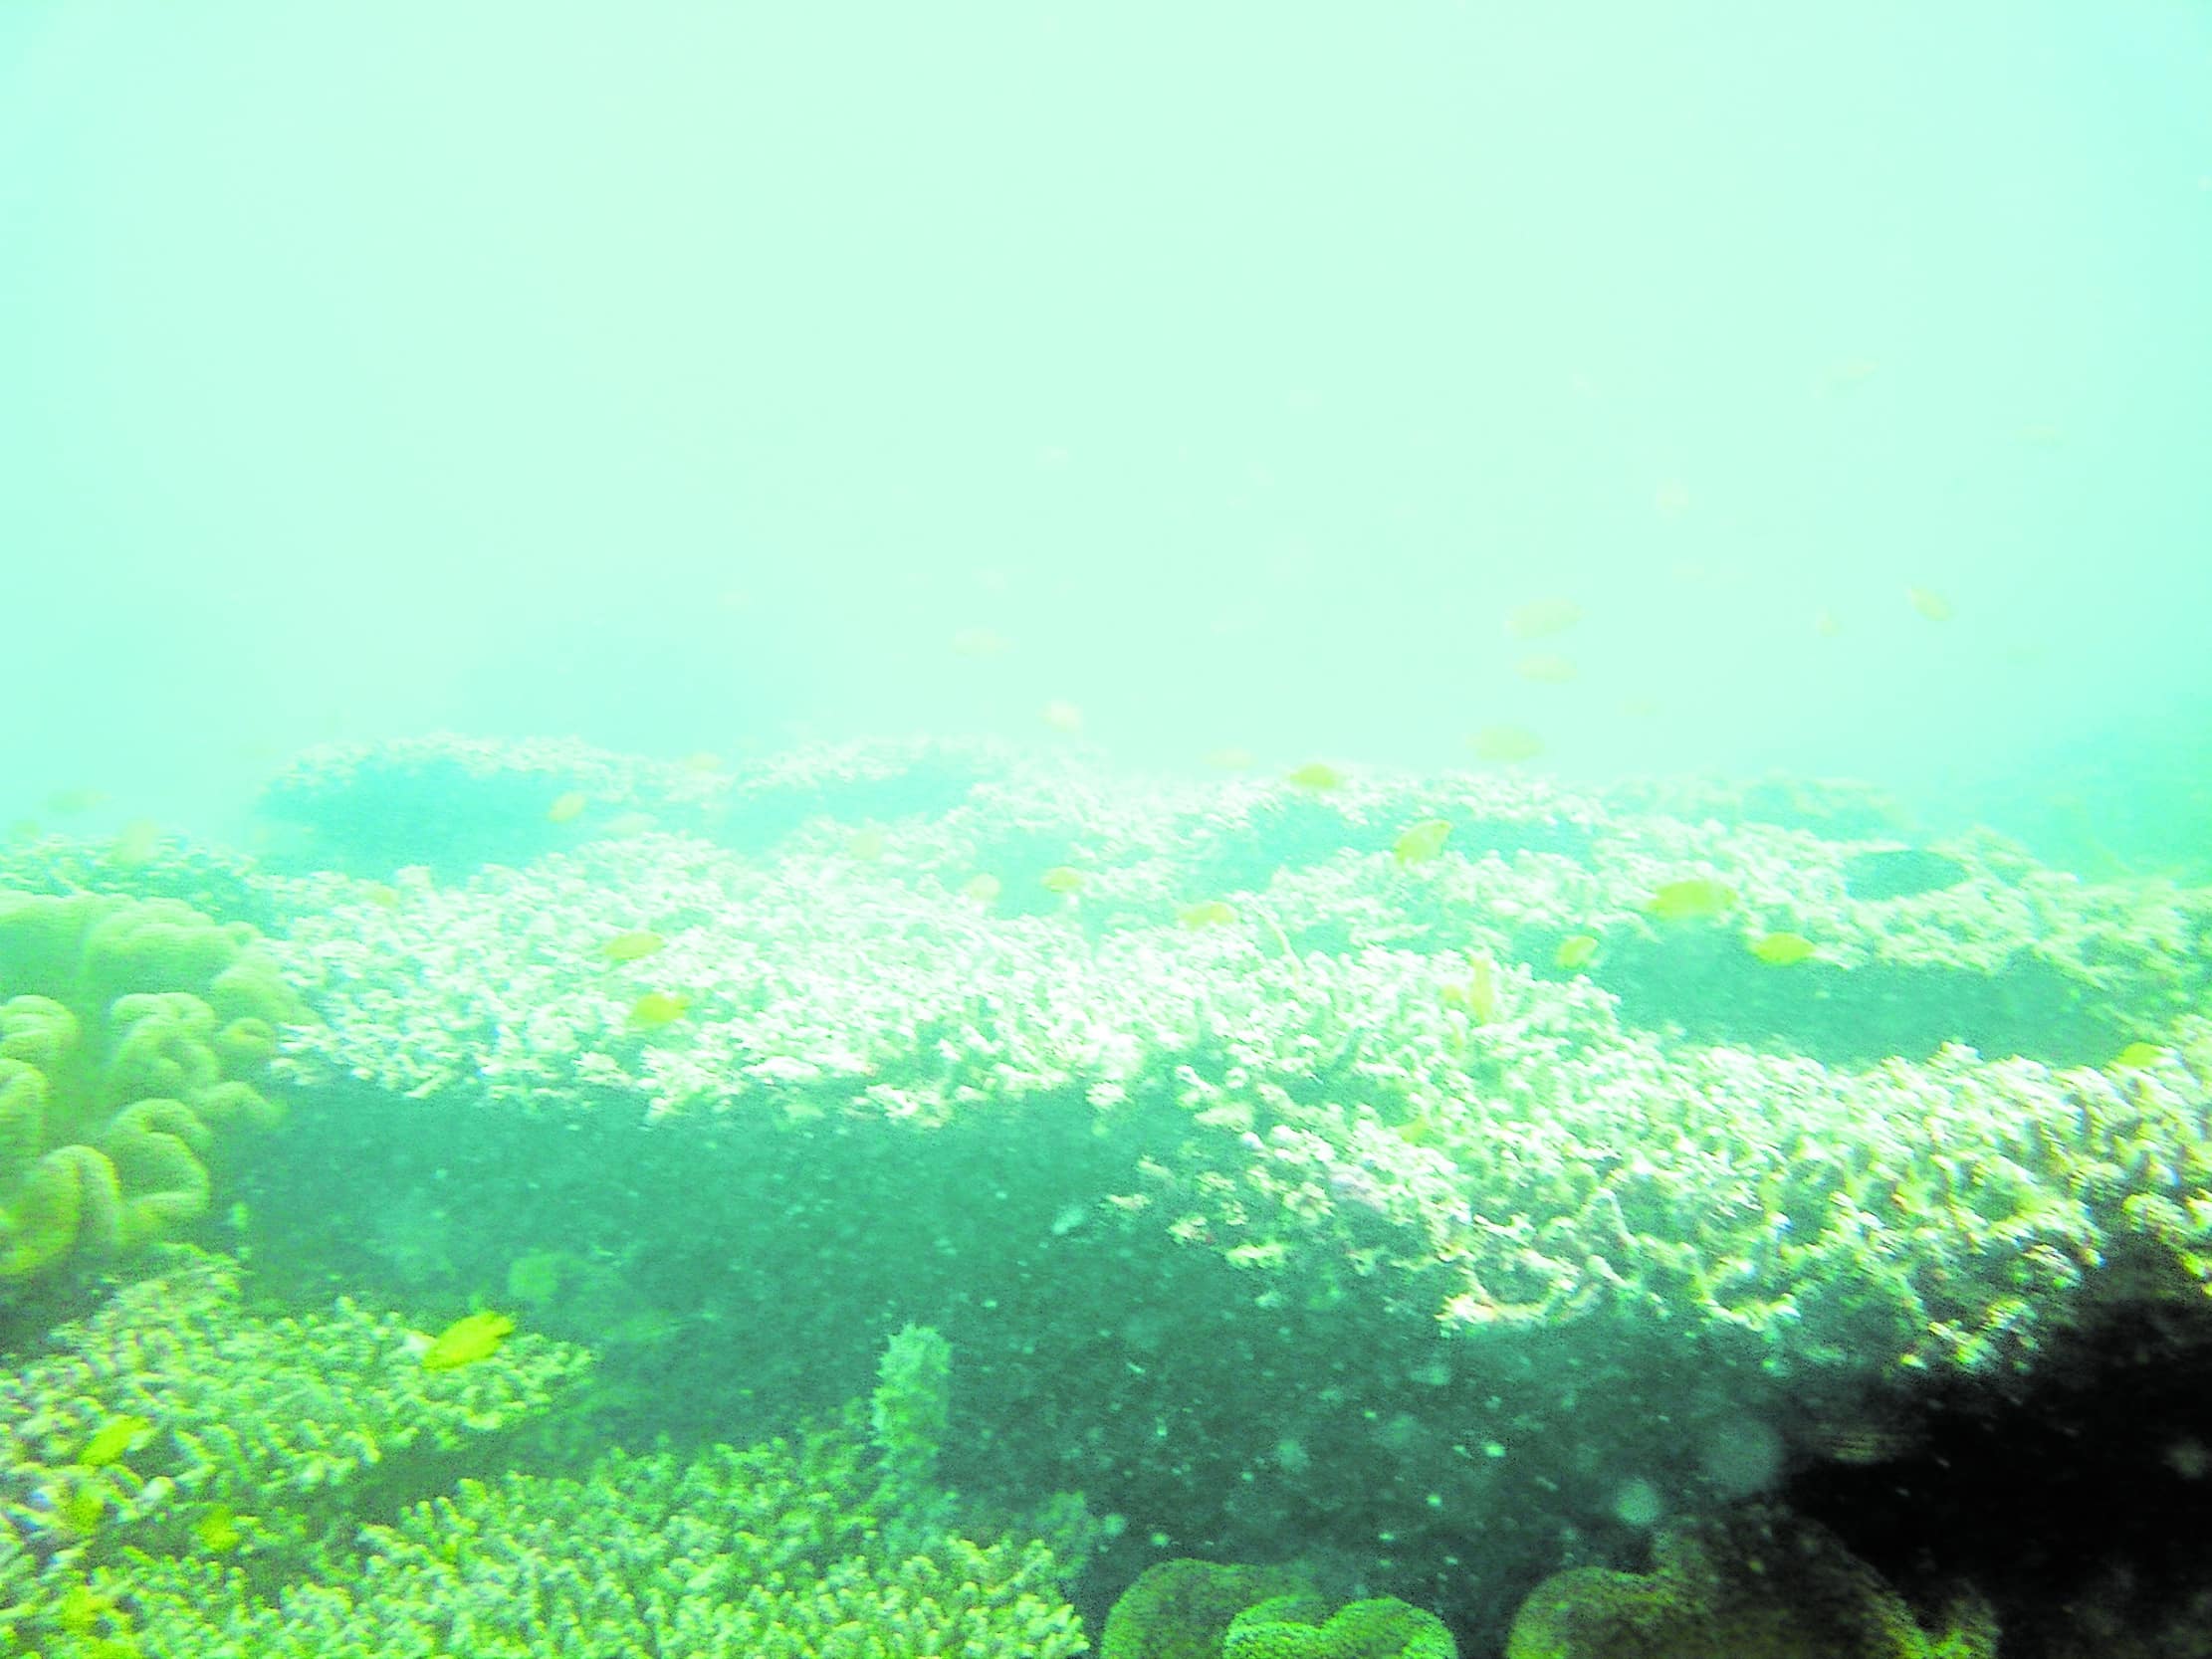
x=1754 y=1586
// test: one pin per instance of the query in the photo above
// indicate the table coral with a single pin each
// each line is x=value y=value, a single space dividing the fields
x=133 y=1037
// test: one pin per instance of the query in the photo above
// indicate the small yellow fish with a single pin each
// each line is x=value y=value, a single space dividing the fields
x=1232 y=759
x=2135 y=1056
x=1421 y=842
x=1826 y=624
x=111 y=1440
x=1206 y=913
x=1671 y=497
x=1477 y=995
x=67 y=802
x=632 y=946
x=83 y=1609
x=1693 y=899
x=1781 y=949
x=567 y=808
x=382 y=894
x=1576 y=951
x=83 y=1510
x=658 y=1008
x=218 y=1531
x=1062 y=878
x=623 y=825
x=467 y=1340
x=1504 y=744
x=1542 y=617
x=1930 y=604
x=704 y=761
x=983 y=889
x=1062 y=716
x=1314 y=774
x=867 y=844
x=1546 y=668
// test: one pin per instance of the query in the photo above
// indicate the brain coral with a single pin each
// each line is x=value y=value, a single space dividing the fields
x=1298 y=1627
x=1183 y=1608
x=132 y=1035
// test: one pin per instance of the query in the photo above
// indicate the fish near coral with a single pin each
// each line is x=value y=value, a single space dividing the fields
x=1781 y=949
x=1930 y=604
x=113 y=1440
x=1206 y=913
x=1505 y=744
x=657 y=1008
x=632 y=946
x=217 y=1530
x=466 y=1340
x=1421 y=842
x=1576 y=951
x=1546 y=668
x=1693 y=899
x=1540 y=618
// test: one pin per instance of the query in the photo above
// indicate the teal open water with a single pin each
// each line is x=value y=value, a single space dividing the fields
x=1039 y=829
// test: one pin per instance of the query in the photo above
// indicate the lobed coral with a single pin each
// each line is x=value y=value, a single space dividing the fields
x=132 y=1037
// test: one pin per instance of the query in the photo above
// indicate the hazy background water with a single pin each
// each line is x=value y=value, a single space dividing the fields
x=694 y=376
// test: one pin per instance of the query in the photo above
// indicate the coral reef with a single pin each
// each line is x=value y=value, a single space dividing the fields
x=132 y=1038
x=1535 y=1157
x=1752 y=1585
x=1454 y=1219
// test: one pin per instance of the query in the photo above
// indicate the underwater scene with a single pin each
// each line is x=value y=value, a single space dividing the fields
x=1067 y=832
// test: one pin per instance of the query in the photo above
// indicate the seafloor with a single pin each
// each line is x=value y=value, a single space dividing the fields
x=896 y=1200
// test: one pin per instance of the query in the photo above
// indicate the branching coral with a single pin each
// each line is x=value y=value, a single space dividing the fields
x=172 y=1404
x=808 y=1548
x=764 y=1554
x=133 y=1035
